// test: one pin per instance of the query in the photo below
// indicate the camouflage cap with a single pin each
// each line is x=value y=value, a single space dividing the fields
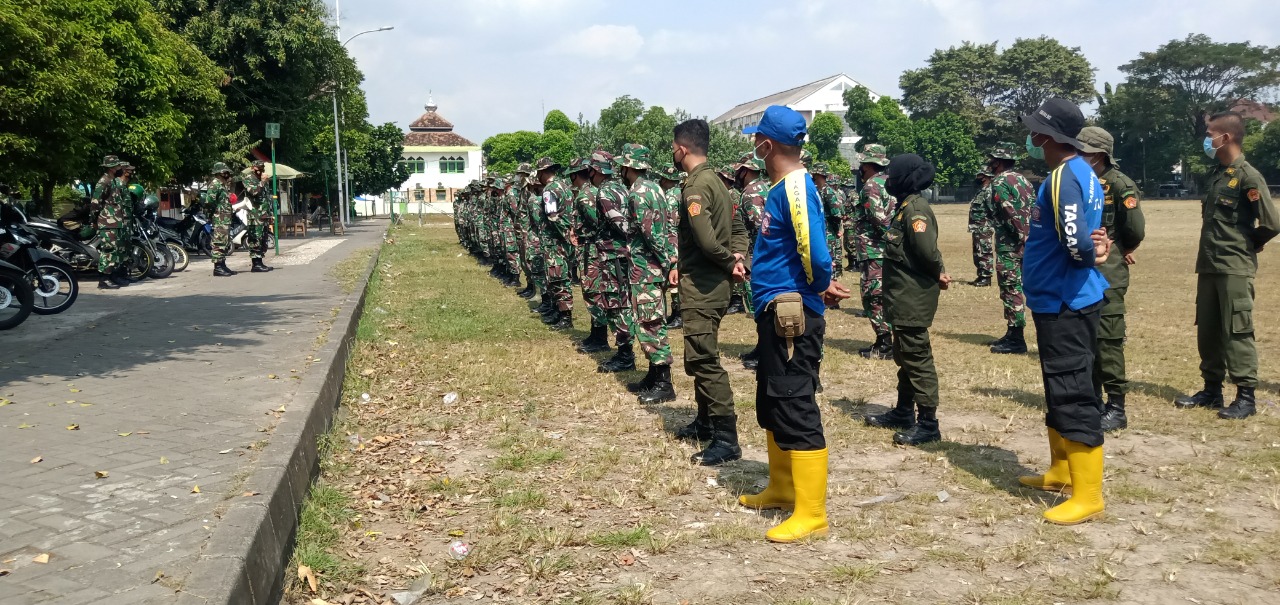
x=726 y=173
x=111 y=161
x=634 y=156
x=1096 y=140
x=985 y=172
x=820 y=169
x=218 y=168
x=750 y=163
x=603 y=161
x=806 y=158
x=577 y=165
x=546 y=163
x=874 y=154
x=259 y=164
x=669 y=172
x=524 y=169
x=1005 y=150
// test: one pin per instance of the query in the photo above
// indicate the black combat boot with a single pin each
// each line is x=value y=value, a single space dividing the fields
x=1243 y=407
x=220 y=269
x=105 y=283
x=596 y=342
x=546 y=306
x=528 y=291
x=120 y=277
x=1014 y=343
x=882 y=348
x=622 y=361
x=1208 y=397
x=924 y=431
x=511 y=279
x=643 y=383
x=735 y=305
x=983 y=281
x=660 y=388
x=674 y=321
x=698 y=430
x=902 y=416
x=724 y=443
x=260 y=267
x=751 y=359
x=552 y=315
x=495 y=272
x=565 y=321
x=1008 y=332
x=1113 y=418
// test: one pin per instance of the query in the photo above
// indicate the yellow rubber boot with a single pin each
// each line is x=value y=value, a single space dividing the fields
x=1085 y=502
x=809 y=474
x=1058 y=477
x=781 y=491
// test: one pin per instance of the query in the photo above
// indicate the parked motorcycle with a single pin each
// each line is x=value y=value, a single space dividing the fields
x=16 y=296
x=54 y=284
x=65 y=239
x=163 y=262
x=191 y=230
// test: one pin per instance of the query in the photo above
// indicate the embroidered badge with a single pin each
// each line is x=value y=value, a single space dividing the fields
x=1254 y=195
x=1035 y=214
x=1131 y=202
x=695 y=209
x=1231 y=170
x=1233 y=183
x=919 y=226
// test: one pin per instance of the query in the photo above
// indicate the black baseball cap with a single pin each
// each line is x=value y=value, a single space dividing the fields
x=1059 y=119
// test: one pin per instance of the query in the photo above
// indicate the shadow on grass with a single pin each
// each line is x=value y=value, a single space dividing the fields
x=848 y=345
x=1162 y=392
x=856 y=409
x=989 y=465
x=1028 y=399
x=983 y=340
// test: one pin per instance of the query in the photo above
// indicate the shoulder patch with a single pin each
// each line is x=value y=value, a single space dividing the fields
x=1131 y=202
x=919 y=226
x=695 y=209
x=694 y=198
x=1254 y=195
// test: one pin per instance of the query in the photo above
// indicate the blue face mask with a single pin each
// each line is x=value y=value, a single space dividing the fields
x=1036 y=153
x=1209 y=149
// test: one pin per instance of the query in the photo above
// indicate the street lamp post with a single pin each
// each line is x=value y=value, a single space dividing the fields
x=337 y=135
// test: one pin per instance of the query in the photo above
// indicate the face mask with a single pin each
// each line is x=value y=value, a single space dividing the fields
x=675 y=158
x=894 y=189
x=1035 y=152
x=1209 y=149
x=755 y=153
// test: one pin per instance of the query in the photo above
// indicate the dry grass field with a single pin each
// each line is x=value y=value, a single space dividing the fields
x=569 y=491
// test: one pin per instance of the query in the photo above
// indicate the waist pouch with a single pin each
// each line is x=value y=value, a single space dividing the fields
x=788 y=318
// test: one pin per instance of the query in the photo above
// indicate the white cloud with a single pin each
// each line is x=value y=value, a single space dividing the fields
x=619 y=42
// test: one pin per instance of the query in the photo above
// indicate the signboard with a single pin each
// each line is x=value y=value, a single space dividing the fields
x=273 y=130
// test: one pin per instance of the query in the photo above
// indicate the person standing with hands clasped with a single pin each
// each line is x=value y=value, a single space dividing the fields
x=1239 y=219
x=791 y=285
x=913 y=278
x=1064 y=290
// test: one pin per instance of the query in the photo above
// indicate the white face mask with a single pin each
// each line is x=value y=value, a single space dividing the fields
x=755 y=152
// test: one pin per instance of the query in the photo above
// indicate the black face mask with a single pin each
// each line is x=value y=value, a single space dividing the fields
x=895 y=189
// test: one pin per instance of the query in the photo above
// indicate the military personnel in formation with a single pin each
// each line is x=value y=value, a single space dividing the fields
x=520 y=222
x=1239 y=220
x=874 y=213
x=849 y=189
x=108 y=206
x=671 y=180
x=755 y=192
x=1011 y=200
x=1123 y=221
x=261 y=217
x=219 y=199
x=833 y=210
x=980 y=228
x=587 y=233
x=914 y=277
x=537 y=240
x=737 y=301
x=612 y=269
x=558 y=217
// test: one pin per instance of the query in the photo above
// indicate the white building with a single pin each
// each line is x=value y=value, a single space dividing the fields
x=823 y=96
x=440 y=162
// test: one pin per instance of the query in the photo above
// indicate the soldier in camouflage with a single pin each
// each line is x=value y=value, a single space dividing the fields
x=755 y=192
x=872 y=221
x=536 y=247
x=261 y=218
x=558 y=216
x=586 y=233
x=737 y=301
x=612 y=270
x=833 y=208
x=653 y=257
x=219 y=200
x=849 y=189
x=671 y=180
x=1011 y=200
x=107 y=202
x=980 y=227
x=515 y=201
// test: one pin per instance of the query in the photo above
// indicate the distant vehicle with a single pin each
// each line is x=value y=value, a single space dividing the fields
x=1171 y=190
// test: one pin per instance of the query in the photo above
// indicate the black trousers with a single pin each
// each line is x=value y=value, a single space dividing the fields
x=1068 y=343
x=786 y=399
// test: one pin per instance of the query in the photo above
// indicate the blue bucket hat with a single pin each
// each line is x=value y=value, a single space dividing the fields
x=782 y=124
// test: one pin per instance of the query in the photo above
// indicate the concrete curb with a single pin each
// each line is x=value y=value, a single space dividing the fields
x=244 y=561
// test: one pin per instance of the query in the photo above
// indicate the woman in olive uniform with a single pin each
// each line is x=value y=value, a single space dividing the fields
x=913 y=278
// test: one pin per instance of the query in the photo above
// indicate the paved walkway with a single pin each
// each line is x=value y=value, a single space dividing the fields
x=130 y=422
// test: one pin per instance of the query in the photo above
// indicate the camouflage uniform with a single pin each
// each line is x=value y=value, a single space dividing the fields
x=833 y=209
x=109 y=201
x=1011 y=200
x=740 y=292
x=652 y=257
x=558 y=218
x=751 y=210
x=673 y=197
x=261 y=217
x=874 y=217
x=586 y=232
x=980 y=213
x=851 y=202
x=219 y=200
x=611 y=273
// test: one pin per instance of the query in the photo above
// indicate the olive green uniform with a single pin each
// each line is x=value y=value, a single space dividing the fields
x=1239 y=217
x=1125 y=225
x=911 y=293
x=709 y=234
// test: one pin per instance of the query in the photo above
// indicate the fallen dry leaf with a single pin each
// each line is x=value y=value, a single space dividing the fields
x=73 y=427
x=41 y=558
x=101 y=474
x=250 y=494
x=25 y=426
x=319 y=601
x=272 y=376
x=164 y=460
x=305 y=573
x=75 y=390
x=37 y=459
x=125 y=434
x=4 y=572
x=195 y=489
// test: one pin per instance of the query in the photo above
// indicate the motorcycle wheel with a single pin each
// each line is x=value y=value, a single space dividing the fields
x=140 y=261
x=163 y=265
x=16 y=300
x=55 y=289
x=204 y=244
x=180 y=257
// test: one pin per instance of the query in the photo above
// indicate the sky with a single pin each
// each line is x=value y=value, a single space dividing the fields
x=498 y=65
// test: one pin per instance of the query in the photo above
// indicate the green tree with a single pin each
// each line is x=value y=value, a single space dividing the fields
x=1263 y=150
x=504 y=152
x=1149 y=137
x=944 y=140
x=880 y=121
x=557 y=144
x=825 y=133
x=727 y=146
x=557 y=121
x=375 y=162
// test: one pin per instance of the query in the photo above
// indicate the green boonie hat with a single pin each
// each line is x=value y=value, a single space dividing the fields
x=1005 y=150
x=603 y=161
x=874 y=154
x=111 y=161
x=750 y=163
x=524 y=169
x=746 y=157
x=219 y=168
x=546 y=163
x=634 y=156
x=577 y=165
x=820 y=169
x=1096 y=140
x=806 y=158
x=834 y=180
x=671 y=173
x=985 y=172
x=259 y=164
x=725 y=173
